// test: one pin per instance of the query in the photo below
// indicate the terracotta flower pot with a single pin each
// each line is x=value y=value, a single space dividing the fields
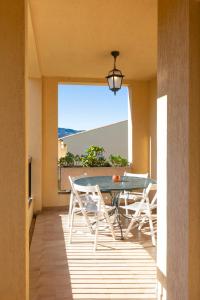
x=116 y=178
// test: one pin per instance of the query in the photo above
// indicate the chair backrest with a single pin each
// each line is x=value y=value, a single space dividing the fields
x=92 y=194
x=76 y=197
x=77 y=177
x=151 y=187
x=90 y=189
x=72 y=179
x=145 y=175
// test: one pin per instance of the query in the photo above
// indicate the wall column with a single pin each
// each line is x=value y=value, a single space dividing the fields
x=50 y=143
x=35 y=139
x=13 y=156
x=179 y=169
x=140 y=130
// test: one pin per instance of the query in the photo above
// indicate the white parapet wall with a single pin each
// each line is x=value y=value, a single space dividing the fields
x=65 y=172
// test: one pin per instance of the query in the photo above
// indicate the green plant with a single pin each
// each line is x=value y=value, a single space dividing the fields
x=118 y=161
x=77 y=160
x=69 y=157
x=61 y=162
x=94 y=157
x=68 y=160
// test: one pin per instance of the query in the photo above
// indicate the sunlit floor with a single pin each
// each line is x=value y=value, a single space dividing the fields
x=121 y=269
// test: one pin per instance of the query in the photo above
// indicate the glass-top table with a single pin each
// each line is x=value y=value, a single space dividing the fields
x=106 y=184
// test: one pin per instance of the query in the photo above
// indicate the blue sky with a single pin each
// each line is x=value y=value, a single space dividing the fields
x=84 y=107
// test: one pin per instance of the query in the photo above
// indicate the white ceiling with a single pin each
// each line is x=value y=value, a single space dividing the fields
x=74 y=37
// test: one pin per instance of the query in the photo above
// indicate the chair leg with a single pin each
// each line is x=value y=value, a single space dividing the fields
x=87 y=221
x=152 y=233
x=71 y=226
x=141 y=223
x=115 y=217
x=110 y=225
x=126 y=203
x=70 y=208
x=96 y=232
x=129 y=228
x=151 y=227
x=133 y=220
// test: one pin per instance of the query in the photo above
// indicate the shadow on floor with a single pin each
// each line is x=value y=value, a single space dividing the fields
x=121 y=269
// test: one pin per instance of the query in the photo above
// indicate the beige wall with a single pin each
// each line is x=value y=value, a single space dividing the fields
x=33 y=64
x=178 y=83
x=140 y=116
x=34 y=116
x=144 y=126
x=30 y=214
x=62 y=148
x=14 y=242
x=50 y=148
x=194 y=151
x=153 y=128
x=35 y=139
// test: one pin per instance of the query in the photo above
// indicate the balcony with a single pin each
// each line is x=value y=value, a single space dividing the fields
x=121 y=269
x=45 y=43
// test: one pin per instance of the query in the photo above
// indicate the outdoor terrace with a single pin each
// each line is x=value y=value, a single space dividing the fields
x=121 y=269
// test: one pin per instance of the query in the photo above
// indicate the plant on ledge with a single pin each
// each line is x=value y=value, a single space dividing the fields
x=118 y=161
x=94 y=157
x=69 y=160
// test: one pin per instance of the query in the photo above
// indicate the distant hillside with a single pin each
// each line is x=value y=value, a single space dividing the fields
x=67 y=131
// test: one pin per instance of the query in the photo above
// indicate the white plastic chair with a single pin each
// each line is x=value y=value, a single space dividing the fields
x=142 y=211
x=133 y=196
x=89 y=200
x=72 y=196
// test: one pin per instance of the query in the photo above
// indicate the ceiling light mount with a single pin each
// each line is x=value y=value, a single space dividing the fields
x=115 y=53
x=115 y=76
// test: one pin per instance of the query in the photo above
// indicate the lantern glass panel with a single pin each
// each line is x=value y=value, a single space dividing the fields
x=110 y=82
x=117 y=82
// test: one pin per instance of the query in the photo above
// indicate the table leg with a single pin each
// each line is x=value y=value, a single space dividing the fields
x=115 y=202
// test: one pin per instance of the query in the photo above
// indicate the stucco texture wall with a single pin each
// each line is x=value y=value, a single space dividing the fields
x=178 y=83
x=153 y=128
x=14 y=242
x=35 y=139
x=50 y=195
x=143 y=97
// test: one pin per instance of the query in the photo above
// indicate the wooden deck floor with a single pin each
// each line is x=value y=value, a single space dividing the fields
x=122 y=269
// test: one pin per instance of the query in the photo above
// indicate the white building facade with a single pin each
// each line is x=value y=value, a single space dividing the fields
x=113 y=138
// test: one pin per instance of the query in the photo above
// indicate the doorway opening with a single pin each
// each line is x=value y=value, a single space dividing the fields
x=92 y=116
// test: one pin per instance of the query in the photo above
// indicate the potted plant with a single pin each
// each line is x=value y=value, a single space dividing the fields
x=94 y=157
x=92 y=163
x=118 y=161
